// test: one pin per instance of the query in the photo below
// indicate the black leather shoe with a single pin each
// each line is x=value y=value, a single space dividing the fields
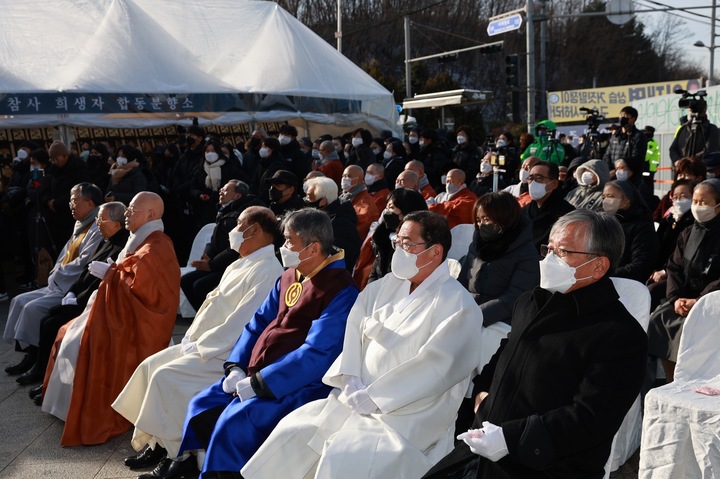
x=37 y=390
x=146 y=458
x=169 y=469
x=21 y=367
x=30 y=377
x=38 y=399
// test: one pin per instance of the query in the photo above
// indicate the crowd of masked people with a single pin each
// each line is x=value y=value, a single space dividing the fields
x=333 y=335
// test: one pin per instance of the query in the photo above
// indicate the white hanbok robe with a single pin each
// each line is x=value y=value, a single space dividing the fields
x=415 y=352
x=156 y=397
x=27 y=310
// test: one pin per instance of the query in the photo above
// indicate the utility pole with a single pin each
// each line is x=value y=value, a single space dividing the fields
x=338 y=33
x=408 y=83
x=530 y=37
x=711 y=76
x=543 y=59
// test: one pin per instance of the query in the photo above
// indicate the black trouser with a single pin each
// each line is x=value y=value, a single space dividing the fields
x=49 y=327
x=197 y=284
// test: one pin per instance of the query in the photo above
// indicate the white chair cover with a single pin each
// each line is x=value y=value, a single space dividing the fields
x=462 y=236
x=202 y=238
x=636 y=299
x=681 y=428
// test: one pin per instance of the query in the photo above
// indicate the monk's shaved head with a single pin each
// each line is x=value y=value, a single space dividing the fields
x=145 y=206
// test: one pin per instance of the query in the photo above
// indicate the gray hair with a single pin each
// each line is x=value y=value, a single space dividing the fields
x=311 y=225
x=603 y=233
x=88 y=191
x=324 y=188
x=240 y=187
x=116 y=211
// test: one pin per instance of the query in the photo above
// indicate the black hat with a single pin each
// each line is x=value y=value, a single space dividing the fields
x=283 y=177
x=711 y=160
x=306 y=141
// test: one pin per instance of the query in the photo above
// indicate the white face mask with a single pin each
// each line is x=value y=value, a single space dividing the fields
x=121 y=161
x=387 y=155
x=369 y=179
x=376 y=151
x=452 y=188
x=443 y=179
x=621 y=174
x=461 y=139
x=680 y=207
x=290 y=258
x=485 y=167
x=501 y=143
x=556 y=275
x=703 y=214
x=537 y=190
x=404 y=264
x=586 y=178
x=316 y=153
x=357 y=142
x=306 y=188
x=422 y=143
x=524 y=176
x=22 y=154
x=211 y=157
x=412 y=140
x=346 y=184
x=237 y=238
x=284 y=140
x=611 y=205
x=264 y=152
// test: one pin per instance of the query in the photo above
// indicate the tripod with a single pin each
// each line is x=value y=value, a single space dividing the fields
x=695 y=143
x=40 y=223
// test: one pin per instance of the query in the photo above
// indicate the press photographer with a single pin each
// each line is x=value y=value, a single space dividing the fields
x=697 y=135
x=590 y=148
x=627 y=143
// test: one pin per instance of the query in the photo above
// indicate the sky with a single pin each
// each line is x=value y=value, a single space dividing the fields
x=696 y=23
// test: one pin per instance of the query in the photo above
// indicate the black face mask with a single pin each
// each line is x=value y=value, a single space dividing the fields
x=313 y=204
x=391 y=220
x=624 y=121
x=275 y=194
x=190 y=140
x=489 y=233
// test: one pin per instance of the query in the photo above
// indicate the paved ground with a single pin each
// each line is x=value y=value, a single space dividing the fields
x=30 y=439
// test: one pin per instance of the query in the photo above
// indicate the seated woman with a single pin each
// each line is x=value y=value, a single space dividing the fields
x=400 y=202
x=622 y=199
x=127 y=175
x=623 y=172
x=214 y=172
x=685 y=169
x=501 y=263
x=693 y=271
x=678 y=218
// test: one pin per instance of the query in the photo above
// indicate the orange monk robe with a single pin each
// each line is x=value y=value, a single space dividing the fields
x=364 y=263
x=132 y=318
x=459 y=209
x=524 y=199
x=380 y=197
x=366 y=212
x=428 y=192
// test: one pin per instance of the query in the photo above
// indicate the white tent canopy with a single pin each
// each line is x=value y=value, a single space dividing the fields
x=151 y=63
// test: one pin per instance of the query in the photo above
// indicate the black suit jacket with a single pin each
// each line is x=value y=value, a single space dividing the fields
x=559 y=385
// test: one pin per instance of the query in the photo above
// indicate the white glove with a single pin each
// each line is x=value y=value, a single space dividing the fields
x=351 y=384
x=231 y=380
x=431 y=201
x=70 y=299
x=99 y=268
x=488 y=442
x=244 y=390
x=188 y=346
x=360 y=402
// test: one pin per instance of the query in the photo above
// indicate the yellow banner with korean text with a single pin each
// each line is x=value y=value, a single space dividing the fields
x=564 y=106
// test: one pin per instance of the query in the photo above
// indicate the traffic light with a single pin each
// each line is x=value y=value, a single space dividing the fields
x=512 y=106
x=512 y=78
x=450 y=57
x=488 y=49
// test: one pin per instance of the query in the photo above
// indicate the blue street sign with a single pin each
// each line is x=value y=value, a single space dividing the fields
x=504 y=25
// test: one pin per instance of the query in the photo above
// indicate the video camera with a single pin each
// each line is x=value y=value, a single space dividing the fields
x=695 y=102
x=593 y=119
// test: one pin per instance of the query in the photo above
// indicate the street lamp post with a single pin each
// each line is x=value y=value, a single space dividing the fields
x=711 y=75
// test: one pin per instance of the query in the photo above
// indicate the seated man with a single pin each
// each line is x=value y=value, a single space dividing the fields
x=547 y=203
x=323 y=194
x=456 y=203
x=423 y=183
x=408 y=179
x=355 y=191
x=157 y=396
x=377 y=185
x=130 y=318
x=283 y=194
x=556 y=391
x=409 y=351
x=591 y=177
x=234 y=197
x=278 y=362
x=27 y=309
x=110 y=222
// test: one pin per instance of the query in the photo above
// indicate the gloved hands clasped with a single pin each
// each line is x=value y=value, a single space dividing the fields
x=488 y=442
